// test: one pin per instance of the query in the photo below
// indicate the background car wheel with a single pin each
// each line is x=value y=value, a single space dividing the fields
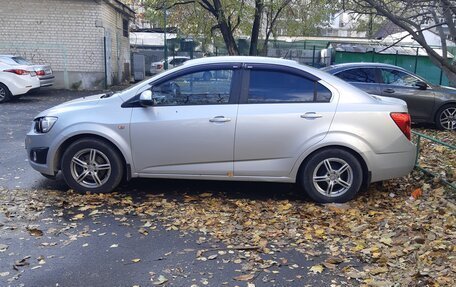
x=92 y=165
x=446 y=118
x=332 y=175
x=5 y=94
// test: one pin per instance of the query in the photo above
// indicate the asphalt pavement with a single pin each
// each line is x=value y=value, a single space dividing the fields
x=109 y=251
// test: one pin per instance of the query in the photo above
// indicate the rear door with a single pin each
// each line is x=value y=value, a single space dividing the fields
x=364 y=78
x=283 y=111
x=402 y=85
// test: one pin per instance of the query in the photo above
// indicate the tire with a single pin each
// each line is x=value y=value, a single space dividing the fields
x=338 y=182
x=445 y=118
x=5 y=94
x=82 y=173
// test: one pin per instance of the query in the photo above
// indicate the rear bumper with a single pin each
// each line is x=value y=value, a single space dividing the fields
x=392 y=165
x=46 y=81
x=23 y=86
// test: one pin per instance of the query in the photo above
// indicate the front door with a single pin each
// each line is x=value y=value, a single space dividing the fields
x=283 y=114
x=190 y=129
x=401 y=85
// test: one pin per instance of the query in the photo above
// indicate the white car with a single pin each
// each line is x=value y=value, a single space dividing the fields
x=158 y=67
x=16 y=80
x=43 y=72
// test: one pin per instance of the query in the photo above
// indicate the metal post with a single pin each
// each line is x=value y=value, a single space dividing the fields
x=416 y=59
x=105 y=63
x=418 y=146
x=313 y=56
x=165 y=46
x=373 y=54
x=441 y=77
x=395 y=59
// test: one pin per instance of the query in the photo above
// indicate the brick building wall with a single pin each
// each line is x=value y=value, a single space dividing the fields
x=64 y=33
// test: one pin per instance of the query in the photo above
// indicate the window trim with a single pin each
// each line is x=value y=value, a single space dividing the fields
x=283 y=69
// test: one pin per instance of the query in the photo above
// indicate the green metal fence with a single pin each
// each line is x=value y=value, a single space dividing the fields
x=418 y=137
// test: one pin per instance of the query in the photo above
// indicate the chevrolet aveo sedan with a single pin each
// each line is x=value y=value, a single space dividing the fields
x=254 y=119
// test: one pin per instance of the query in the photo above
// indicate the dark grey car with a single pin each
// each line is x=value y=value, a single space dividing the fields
x=427 y=103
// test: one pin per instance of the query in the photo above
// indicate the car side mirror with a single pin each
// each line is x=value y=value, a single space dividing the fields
x=146 y=99
x=421 y=85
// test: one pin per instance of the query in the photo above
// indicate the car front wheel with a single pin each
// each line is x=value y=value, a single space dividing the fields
x=446 y=118
x=92 y=165
x=332 y=175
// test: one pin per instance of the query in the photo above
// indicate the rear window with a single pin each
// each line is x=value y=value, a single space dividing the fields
x=268 y=86
x=359 y=75
x=8 y=61
x=21 y=61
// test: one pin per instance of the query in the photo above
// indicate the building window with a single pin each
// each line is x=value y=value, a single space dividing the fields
x=125 y=27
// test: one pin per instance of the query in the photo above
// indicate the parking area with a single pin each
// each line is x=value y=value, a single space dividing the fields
x=200 y=233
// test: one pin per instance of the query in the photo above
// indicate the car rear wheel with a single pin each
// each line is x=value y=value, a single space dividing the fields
x=332 y=175
x=92 y=165
x=446 y=118
x=5 y=94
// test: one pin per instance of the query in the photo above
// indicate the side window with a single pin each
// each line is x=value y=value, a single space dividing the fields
x=398 y=78
x=200 y=88
x=361 y=75
x=279 y=87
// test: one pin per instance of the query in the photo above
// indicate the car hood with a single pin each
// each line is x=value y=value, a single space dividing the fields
x=83 y=104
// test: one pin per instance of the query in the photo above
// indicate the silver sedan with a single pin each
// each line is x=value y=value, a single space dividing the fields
x=253 y=119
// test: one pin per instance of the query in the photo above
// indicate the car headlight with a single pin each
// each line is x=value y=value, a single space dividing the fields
x=44 y=124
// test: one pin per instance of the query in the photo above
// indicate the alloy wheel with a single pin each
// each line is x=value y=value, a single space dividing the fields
x=448 y=118
x=90 y=168
x=332 y=177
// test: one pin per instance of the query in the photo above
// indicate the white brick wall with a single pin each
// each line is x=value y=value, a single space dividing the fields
x=62 y=33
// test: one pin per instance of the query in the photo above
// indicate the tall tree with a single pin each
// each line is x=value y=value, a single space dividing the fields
x=232 y=18
x=415 y=17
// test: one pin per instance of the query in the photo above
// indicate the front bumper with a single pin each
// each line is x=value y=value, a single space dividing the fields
x=38 y=152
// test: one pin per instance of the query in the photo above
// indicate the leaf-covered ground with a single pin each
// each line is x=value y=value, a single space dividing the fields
x=401 y=233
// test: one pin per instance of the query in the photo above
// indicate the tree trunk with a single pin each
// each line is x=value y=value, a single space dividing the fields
x=256 y=28
x=225 y=29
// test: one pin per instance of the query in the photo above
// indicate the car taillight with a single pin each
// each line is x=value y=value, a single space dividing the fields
x=40 y=73
x=404 y=123
x=159 y=66
x=18 y=71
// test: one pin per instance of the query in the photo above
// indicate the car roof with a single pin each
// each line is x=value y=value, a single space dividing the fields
x=359 y=65
x=240 y=59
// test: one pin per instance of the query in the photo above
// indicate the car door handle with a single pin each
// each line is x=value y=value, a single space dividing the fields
x=389 y=91
x=311 y=115
x=219 y=119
